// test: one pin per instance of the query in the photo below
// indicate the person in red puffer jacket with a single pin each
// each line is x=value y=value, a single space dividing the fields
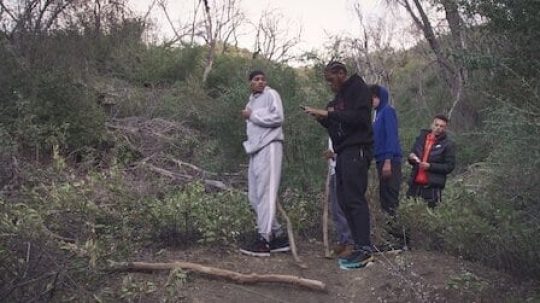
x=433 y=156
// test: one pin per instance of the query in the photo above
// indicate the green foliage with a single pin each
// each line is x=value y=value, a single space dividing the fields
x=304 y=211
x=469 y=285
x=191 y=214
x=228 y=71
x=56 y=221
x=50 y=108
x=477 y=226
x=518 y=23
x=159 y=65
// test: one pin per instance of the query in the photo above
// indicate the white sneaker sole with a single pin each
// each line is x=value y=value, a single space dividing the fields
x=255 y=254
x=281 y=249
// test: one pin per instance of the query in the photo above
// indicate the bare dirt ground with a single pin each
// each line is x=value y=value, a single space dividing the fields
x=411 y=276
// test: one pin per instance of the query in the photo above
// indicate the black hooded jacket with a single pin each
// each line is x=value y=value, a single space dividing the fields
x=349 y=115
x=441 y=159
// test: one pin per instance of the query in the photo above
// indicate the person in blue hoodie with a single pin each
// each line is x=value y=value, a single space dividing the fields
x=387 y=149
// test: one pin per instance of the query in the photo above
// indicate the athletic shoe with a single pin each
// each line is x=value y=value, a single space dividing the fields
x=343 y=250
x=358 y=259
x=280 y=244
x=258 y=248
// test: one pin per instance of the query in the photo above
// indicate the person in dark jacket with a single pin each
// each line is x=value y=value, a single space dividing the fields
x=387 y=149
x=348 y=121
x=433 y=156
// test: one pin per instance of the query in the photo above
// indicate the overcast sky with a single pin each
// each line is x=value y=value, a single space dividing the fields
x=317 y=19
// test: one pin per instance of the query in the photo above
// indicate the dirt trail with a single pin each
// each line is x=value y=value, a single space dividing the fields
x=413 y=276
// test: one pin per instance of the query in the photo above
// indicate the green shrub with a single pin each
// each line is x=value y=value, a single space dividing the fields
x=159 y=65
x=191 y=215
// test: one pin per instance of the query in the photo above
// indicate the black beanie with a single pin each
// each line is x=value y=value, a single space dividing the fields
x=255 y=73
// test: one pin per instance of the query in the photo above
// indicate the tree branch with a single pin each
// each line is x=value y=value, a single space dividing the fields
x=4 y=7
x=221 y=273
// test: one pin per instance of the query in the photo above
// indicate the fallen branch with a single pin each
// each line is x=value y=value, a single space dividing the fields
x=128 y=129
x=56 y=236
x=221 y=273
x=290 y=233
x=193 y=167
x=213 y=183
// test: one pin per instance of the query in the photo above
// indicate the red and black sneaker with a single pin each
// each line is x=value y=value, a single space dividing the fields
x=259 y=248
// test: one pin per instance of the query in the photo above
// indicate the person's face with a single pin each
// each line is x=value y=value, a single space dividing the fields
x=335 y=80
x=438 y=127
x=375 y=101
x=258 y=83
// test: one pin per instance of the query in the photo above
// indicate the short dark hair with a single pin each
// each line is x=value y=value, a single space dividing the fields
x=441 y=117
x=335 y=66
x=375 y=90
x=255 y=73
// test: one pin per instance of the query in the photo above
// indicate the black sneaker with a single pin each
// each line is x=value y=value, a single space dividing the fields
x=258 y=248
x=280 y=244
x=358 y=259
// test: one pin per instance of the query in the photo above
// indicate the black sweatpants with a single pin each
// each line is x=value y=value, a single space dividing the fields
x=352 y=165
x=389 y=188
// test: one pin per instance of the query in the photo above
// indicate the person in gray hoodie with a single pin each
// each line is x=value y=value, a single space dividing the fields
x=264 y=145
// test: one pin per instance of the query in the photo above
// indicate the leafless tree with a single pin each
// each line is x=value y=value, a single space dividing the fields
x=41 y=16
x=371 y=52
x=221 y=23
x=452 y=71
x=273 y=39
x=180 y=31
x=32 y=15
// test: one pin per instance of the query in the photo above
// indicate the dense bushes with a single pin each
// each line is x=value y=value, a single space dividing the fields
x=50 y=89
x=491 y=213
x=57 y=239
x=47 y=107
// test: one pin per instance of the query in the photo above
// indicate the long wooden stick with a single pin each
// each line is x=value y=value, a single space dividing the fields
x=326 y=201
x=221 y=273
x=290 y=233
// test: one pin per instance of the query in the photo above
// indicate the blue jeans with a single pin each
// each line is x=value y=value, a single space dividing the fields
x=343 y=232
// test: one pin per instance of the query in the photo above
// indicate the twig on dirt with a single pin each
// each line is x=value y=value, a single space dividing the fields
x=121 y=127
x=56 y=236
x=290 y=233
x=163 y=172
x=221 y=273
x=28 y=247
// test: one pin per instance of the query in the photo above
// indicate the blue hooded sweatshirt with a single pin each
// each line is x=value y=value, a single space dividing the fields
x=385 y=130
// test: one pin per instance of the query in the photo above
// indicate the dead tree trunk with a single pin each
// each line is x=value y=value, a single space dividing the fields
x=211 y=42
x=453 y=74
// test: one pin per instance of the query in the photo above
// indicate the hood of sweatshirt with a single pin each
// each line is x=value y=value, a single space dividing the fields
x=383 y=97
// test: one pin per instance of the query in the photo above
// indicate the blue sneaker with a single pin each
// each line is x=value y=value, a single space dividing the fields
x=358 y=259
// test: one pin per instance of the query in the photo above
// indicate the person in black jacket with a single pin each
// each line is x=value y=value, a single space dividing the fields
x=433 y=156
x=348 y=121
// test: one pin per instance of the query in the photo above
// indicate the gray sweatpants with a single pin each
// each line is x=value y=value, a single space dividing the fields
x=264 y=176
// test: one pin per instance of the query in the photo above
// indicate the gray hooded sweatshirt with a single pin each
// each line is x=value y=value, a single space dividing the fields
x=264 y=124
